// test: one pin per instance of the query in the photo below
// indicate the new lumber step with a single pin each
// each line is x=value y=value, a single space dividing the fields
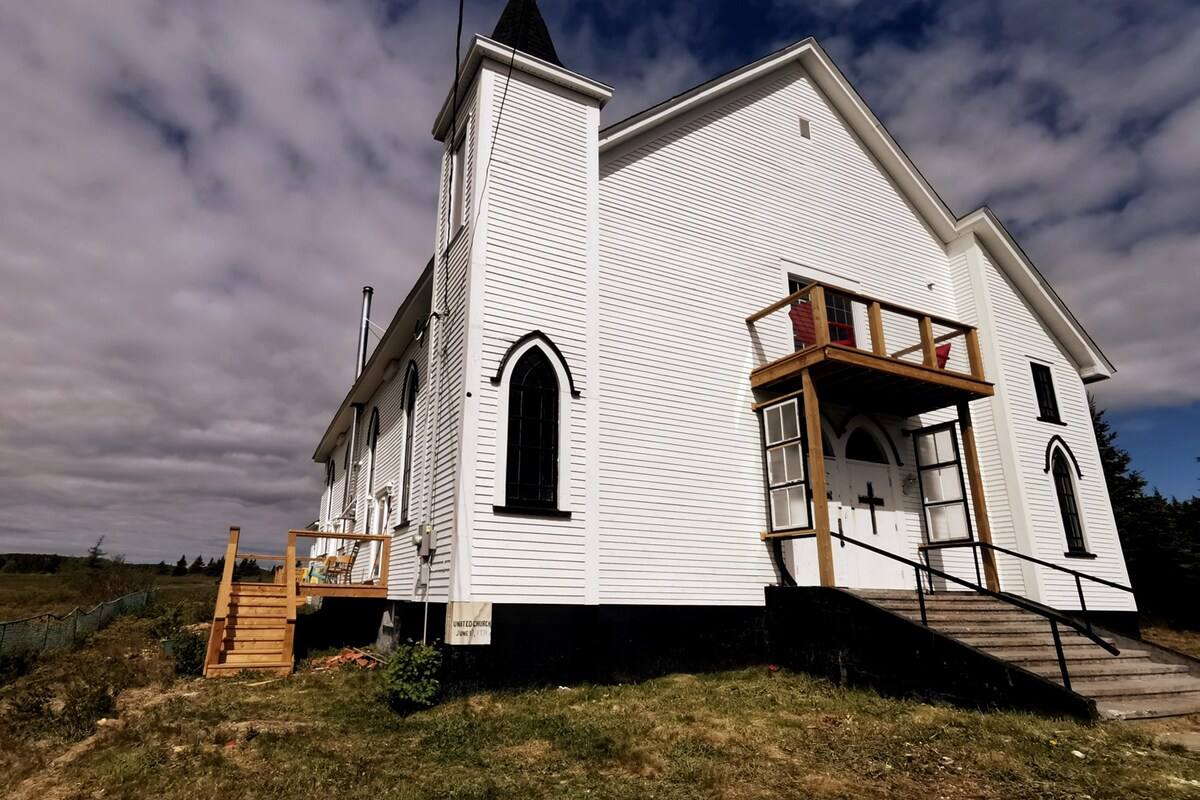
x=243 y=646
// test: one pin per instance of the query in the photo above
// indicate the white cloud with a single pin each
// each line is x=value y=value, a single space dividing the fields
x=192 y=194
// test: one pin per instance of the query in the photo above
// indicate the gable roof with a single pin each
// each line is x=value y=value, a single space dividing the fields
x=643 y=127
x=521 y=26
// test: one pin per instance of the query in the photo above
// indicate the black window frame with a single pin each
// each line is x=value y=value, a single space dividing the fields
x=922 y=468
x=533 y=412
x=1067 y=494
x=804 y=482
x=412 y=386
x=1043 y=389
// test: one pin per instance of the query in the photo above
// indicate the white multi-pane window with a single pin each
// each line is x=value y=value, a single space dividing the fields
x=787 y=485
x=939 y=468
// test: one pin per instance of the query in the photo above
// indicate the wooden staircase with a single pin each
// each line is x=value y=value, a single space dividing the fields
x=253 y=623
x=1142 y=682
x=257 y=633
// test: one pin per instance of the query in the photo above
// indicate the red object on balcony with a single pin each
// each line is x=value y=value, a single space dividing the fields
x=804 y=329
x=943 y=355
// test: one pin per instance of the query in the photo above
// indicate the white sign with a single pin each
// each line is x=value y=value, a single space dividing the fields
x=468 y=623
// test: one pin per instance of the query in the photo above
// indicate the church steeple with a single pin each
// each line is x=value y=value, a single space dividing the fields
x=521 y=26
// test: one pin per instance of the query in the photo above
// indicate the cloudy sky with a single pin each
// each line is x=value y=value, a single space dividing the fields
x=193 y=192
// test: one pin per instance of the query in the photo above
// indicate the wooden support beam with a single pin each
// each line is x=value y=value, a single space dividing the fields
x=974 y=354
x=983 y=527
x=928 y=349
x=816 y=298
x=816 y=475
x=875 y=320
x=385 y=558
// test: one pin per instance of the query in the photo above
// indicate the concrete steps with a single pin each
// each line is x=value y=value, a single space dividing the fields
x=1136 y=684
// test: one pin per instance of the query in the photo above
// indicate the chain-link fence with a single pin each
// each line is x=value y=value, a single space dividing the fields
x=46 y=631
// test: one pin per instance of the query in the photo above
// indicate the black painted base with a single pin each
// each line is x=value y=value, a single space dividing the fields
x=549 y=645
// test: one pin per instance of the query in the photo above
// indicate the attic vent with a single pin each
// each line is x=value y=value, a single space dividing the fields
x=804 y=128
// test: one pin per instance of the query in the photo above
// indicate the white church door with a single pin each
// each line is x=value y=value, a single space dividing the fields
x=869 y=514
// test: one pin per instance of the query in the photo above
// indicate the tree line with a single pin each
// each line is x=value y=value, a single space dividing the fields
x=1160 y=536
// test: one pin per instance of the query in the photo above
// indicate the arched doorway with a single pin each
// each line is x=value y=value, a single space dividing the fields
x=864 y=507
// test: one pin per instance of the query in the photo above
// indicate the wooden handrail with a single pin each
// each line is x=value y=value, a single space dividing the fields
x=862 y=298
x=945 y=337
x=370 y=537
x=817 y=295
x=224 y=598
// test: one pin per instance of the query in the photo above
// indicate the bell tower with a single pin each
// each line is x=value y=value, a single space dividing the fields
x=518 y=242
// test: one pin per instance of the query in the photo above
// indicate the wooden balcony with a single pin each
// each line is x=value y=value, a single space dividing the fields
x=345 y=571
x=866 y=353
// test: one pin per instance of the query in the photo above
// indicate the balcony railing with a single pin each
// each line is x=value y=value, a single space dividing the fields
x=356 y=567
x=837 y=331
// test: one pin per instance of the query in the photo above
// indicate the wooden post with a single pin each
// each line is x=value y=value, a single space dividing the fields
x=982 y=525
x=820 y=317
x=875 y=320
x=928 y=350
x=974 y=354
x=816 y=479
x=224 y=596
x=385 y=557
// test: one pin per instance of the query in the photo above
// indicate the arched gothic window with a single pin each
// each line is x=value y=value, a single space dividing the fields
x=531 y=479
x=862 y=446
x=411 y=387
x=372 y=442
x=1068 y=503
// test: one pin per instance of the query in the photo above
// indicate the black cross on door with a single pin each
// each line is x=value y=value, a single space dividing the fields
x=872 y=501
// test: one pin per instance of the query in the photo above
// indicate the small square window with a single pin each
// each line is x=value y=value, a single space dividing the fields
x=1043 y=385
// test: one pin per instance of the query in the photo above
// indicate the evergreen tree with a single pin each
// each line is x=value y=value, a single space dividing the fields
x=1158 y=536
x=197 y=566
x=180 y=567
x=162 y=569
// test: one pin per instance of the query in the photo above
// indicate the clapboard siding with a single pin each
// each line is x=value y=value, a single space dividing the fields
x=1001 y=518
x=1026 y=340
x=693 y=229
x=534 y=272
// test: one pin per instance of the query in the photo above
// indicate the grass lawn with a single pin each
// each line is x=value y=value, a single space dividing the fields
x=30 y=595
x=745 y=734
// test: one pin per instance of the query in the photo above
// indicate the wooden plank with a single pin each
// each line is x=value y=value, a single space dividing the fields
x=221 y=608
x=367 y=537
x=340 y=590
x=875 y=321
x=928 y=350
x=816 y=299
x=945 y=337
x=768 y=535
x=258 y=556
x=816 y=477
x=974 y=354
x=918 y=372
x=790 y=366
x=385 y=561
x=794 y=297
x=983 y=526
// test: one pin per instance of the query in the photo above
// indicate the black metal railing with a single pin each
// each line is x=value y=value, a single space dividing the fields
x=1055 y=619
x=1080 y=577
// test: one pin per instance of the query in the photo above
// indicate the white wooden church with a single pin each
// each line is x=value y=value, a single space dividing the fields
x=656 y=366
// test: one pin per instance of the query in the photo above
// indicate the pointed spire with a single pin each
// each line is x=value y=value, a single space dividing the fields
x=521 y=26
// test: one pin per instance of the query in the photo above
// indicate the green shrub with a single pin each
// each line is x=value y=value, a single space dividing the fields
x=189 y=649
x=410 y=681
